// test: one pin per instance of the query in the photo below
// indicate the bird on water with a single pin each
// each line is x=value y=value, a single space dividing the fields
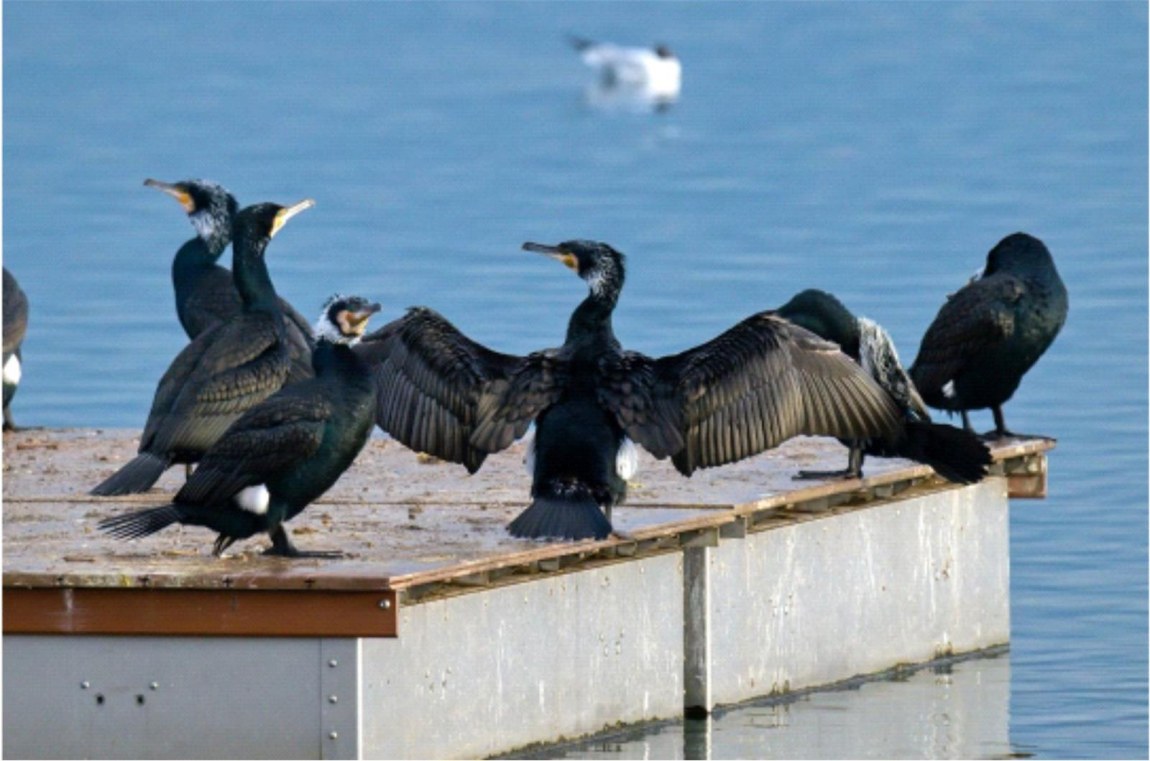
x=206 y=294
x=15 y=326
x=954 y=453
x=225 y=370
x=992 y=331
x=752 y=387
x=656 y=72
x=282 y=454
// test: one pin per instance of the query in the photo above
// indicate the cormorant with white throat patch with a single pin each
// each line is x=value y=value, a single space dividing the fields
x=206 y=293
x=745 y=391
x=282 y=454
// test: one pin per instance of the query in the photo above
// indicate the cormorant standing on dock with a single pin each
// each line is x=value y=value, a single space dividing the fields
x=15 y=326
x=282 y=454
x=988 y=334
x=226 y=370
x=955 y=454
x=206 y=294
x=745 y=391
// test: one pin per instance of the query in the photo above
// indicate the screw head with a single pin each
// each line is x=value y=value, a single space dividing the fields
x=85 y=684
x=385 y=604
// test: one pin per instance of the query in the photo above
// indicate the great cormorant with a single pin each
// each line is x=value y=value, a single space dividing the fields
x=226 y=370
x=745 y=391
x=282 y=454
x=957 y=455
x=988 y=334
x=15 y=326
x=205 y=292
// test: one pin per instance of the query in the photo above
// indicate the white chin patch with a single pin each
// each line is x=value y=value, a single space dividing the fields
x=948 y=390
x=12 y=371
x=254 y=499
x=627 y=459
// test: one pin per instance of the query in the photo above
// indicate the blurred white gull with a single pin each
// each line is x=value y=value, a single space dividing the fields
x=651 y=73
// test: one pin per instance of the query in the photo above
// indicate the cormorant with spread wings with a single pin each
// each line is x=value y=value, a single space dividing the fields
x=747 y=390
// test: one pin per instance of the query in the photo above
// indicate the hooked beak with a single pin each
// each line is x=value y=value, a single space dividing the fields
x=286 y=213
x=175 y=192
x=555 y=252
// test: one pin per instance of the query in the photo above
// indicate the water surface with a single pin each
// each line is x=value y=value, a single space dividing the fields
x=874 y=150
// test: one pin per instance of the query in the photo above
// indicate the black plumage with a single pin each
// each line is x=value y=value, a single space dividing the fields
x=745 y=391
x=224 y=371
x=15 y=326
x=955 y=454
x=206 y=293
x=988 y=334
x=282 y=454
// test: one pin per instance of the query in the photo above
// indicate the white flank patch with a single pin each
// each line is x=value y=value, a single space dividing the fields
x=529 y=455
x=12 y=371
x=627 y=459
x=948 y=390
x=254 y=499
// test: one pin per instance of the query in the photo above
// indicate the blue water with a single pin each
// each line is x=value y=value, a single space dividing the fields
x=874 y=150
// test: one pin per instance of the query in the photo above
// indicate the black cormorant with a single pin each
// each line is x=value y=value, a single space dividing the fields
x=955 y=454
x=282 y=454
x=205 y=292
x=15 y=326
x=745 y=391
x=988 y=334
x=224 y=371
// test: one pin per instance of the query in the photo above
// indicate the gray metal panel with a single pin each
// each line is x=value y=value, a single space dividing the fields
x=564 y=655
x=860 y=592
x=161 y=697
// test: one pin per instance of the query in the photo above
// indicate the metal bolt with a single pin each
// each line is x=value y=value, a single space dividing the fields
x=154 y=685
x=333 y=735
x=385 y=604
x=333 y=699
x=333 y=663
x=85 y=684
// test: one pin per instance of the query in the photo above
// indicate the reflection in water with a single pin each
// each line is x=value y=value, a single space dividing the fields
x=630 y=98
x=955 y=709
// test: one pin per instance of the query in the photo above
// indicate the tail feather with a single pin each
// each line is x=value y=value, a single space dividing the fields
x=141 y=522
x=137 y=476
x=956 y=455
x=561 y=517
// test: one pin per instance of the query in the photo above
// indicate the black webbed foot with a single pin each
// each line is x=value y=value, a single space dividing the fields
x=282 y=547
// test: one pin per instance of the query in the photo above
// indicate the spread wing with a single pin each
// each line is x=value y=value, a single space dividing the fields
x=745 y=391
x=436 y=388
x=978 y=316
x=281 y=431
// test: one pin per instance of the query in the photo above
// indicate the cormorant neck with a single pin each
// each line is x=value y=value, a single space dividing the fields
x=329 y=358
x=250 y=272
x=592 y=318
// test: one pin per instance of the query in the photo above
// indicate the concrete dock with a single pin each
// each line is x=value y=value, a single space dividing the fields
x=439 y=635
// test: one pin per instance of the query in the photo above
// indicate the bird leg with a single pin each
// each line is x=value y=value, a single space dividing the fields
x=852 y=470
x=282 y=546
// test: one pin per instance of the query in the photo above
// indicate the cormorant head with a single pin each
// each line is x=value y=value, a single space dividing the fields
x=264 y=220
x=824 y=315
x=600 y=266
x=344 y=319
x=210 y=207
x=1018 y=253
